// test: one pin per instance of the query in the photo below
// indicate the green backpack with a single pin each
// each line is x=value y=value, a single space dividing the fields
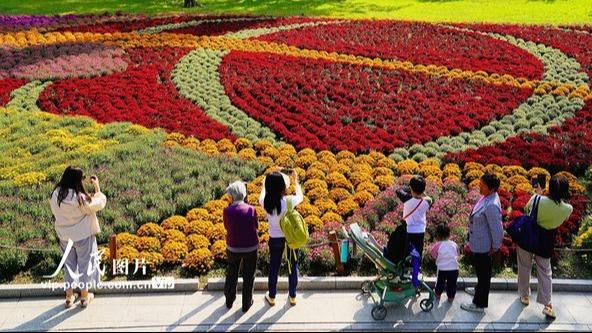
x=294 y=228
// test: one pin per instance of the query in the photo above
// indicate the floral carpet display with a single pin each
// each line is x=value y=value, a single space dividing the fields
x=167 y=110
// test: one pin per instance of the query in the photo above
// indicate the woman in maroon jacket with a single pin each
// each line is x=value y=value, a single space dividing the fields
x=242 y=243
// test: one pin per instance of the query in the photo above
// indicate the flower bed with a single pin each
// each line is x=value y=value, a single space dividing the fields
x=419 y=43
x=326 y=105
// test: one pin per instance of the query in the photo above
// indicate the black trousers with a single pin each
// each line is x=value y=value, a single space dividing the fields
x=417 y=241
x=483 y=266
x=248 y=263
x=447 y=281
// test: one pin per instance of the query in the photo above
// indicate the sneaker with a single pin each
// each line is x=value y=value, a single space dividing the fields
x=525 y=300
x=292 y=301
x=270 y=301
x=470 y=291
x=549 y=312
x=471 y=307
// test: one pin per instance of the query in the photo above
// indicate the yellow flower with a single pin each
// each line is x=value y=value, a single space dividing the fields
x=247 y=154
x=195 y=242
x=362 y=168
x=126 y=239
x=475 y=183
x=331 y=217
x=150 y=244
x=387 y=163
x=435 y=180
x=493 y=168
x=358 y=177
x=514 y=170
x=306 y=209
x=517 y=179
x=304 y=161
x=408 y=167
x=127 y=252
x=376 y=155
x=429 y=162
x=288 y=150
x=218 y=250
x=176 y=222
x=535 y=172
x=347 y=207
x=217 y=232
x=365 y=159
x=345 y=155
x=339 y=194
x=174 y=252
x=431 y=170
x=268 y=161
x=30 y=178
x=325 y=154
x=215 y=207
x=261 y=145
x=314 y=223
x=317 y=193
x=382 y=171
x=199 y=227
x=173 y=235
x=473 y=166
x=335 y=180
x=320 y=165
x=314 y=173
x=369 y=187
x=285 y=162
x=198 y=214
x=363 y=197
x=226 y=146
x=524 y=187
x=200 y=261
x=452 y=170
x=325 y=205
x=150 y=230
x=340 y=168
x=473 y=175
x=153 y=259
x=384 y=182
x=243 y=143
x=312 y=184
x=272 y=152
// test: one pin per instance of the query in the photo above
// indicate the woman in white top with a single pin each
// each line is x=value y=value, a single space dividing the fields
x=75 y=211
x=274 y=200
x=415 y=209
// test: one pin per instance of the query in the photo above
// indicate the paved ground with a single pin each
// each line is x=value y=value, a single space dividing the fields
x=205 y=311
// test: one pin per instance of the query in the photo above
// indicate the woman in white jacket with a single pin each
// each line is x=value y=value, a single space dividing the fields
x=75 y=211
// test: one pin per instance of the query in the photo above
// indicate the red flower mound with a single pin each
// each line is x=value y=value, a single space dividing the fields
x=6 y=87
x=325 y=105
x=420 y=43
x=143 y=94
x=220 y=28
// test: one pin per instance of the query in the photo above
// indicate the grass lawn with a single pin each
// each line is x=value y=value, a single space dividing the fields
x=510 y=11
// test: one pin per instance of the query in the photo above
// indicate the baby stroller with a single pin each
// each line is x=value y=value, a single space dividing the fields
x=394 y=283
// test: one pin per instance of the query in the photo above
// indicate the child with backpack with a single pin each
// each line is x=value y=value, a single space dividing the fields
x=445 y=252
x=277 y=205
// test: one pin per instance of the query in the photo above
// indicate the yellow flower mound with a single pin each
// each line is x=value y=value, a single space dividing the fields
x=307 y=209
x=451 y=170
x=175 y=223
x=368 y=187
x=317 y=193
x=149 y=244
x=314 y=223
x=331 y=217
x=347 y=207
x=153 y=259
x=198 y=214
x=337 y=180
x=30 y=178
x=219 y=250
x=217 y=232
x=151 y=230
x=196 y=241
x=174 y=236
x=312 y=184
x=174 y=252
x=408 y=167
x=199 y=261
x=127 y=252
x=126 y=239
x=325 y=205
x=362 y=197
x=339 y=194
x=514 y=170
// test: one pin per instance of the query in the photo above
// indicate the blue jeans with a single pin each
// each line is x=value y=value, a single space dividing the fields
x=276 y=251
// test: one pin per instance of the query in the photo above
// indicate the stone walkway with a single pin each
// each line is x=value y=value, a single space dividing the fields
x=205 y=311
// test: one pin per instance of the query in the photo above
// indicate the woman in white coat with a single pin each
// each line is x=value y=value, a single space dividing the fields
x=75 y=211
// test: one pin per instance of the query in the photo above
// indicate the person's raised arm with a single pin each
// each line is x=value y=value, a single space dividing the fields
x=299 y=197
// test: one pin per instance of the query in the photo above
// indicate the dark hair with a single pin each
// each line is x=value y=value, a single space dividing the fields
x=558 y=188
x=275 y=186
x=492 y=181
x=417 y=184
x=72 y=180
x=442 y=231
x=540 y=180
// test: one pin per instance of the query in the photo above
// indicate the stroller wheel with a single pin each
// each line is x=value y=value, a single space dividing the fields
x=378 y=312
x=426 y=305
x=366 y=287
